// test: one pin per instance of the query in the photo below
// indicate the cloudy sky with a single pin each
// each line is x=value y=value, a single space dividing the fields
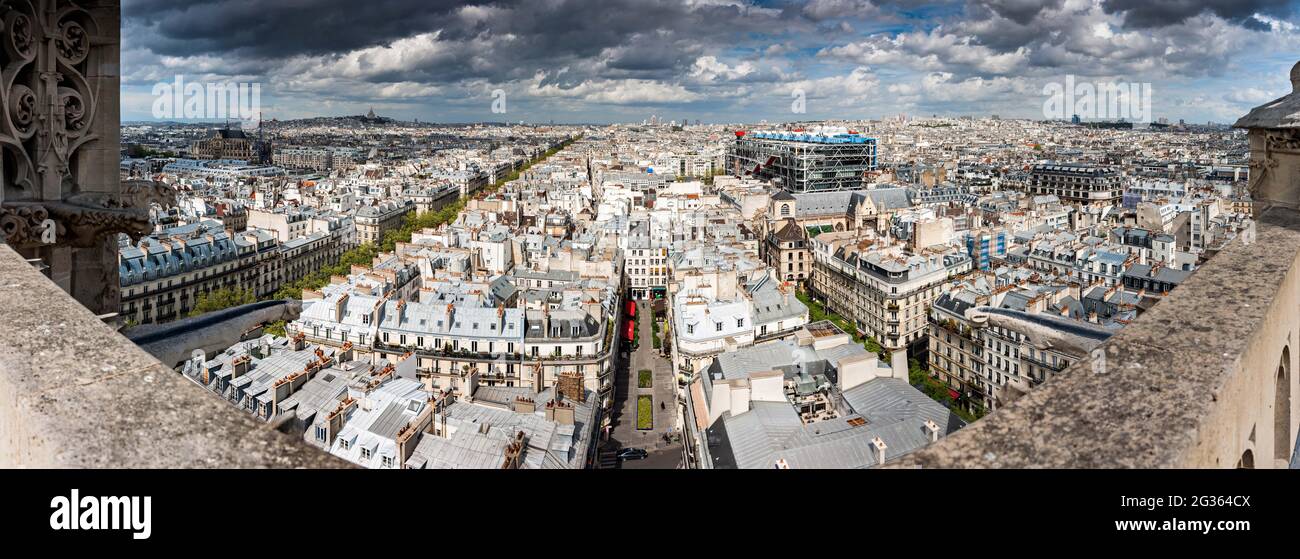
x=712 y=60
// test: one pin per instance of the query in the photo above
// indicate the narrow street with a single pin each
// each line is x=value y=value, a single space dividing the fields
x=663 y=455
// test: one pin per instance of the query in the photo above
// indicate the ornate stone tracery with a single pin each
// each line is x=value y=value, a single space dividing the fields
x=60 y=197
x=49 y=102
x=1284 y=141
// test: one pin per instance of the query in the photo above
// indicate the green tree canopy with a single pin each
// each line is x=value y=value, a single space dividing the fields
x=222 y=299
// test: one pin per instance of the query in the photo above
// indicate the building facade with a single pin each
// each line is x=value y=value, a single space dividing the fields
x=884 y=292
x=804 y=162
x=1082 y=184
x=226 y=143
x=373 y=222
x=164 y=276
x=788 y=252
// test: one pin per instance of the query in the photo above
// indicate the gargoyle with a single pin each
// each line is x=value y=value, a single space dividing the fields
x=1045 y=332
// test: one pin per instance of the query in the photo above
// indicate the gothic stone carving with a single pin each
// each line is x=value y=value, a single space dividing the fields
x=1275 y=169
x=25 y=224
x=47 y=108
x=83 y=219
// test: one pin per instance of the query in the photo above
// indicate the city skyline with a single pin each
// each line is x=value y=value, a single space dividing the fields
x=1049 y=241
x=597 y=62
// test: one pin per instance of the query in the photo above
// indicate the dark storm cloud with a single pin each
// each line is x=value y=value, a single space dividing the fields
x=652 y=55
x=278 y=28
x=716 y=53
x=1021 y=11
x=496 y=40
x=1159 y=13
x=286 y=28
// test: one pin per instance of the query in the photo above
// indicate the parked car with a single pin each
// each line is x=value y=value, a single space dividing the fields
x=632 y=454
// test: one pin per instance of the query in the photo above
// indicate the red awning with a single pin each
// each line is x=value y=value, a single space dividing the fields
x=631 y=309
x=631 y=330
x=953 y=393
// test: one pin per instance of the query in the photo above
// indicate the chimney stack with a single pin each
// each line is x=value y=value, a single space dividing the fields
x=569 y=386
x=339 y=306
x=933 y=429
x=525 y=405
x=239 y=366
x=898 y=363
x=880 y=449
x=513 y=451
x=560 y=412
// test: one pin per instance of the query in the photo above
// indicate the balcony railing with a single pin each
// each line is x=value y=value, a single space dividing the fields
x=77 y=394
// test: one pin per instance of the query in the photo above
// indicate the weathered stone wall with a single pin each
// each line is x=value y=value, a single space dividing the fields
x=75 y=393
